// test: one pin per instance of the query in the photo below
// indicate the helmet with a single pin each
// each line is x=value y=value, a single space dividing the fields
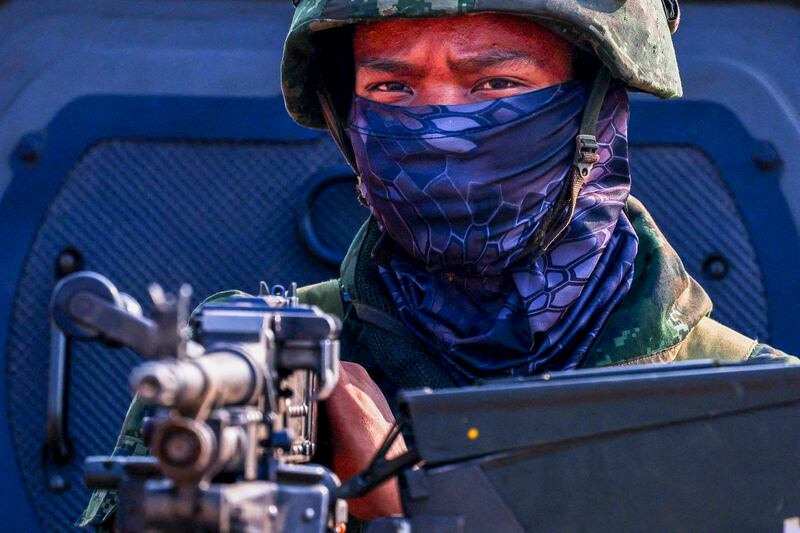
x=632 y=38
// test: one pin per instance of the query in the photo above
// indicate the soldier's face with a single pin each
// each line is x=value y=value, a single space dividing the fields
x=457 y=60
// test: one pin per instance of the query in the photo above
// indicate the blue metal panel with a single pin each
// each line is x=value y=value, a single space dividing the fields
x=42 y=162
x=742 y=55
x=753 y=172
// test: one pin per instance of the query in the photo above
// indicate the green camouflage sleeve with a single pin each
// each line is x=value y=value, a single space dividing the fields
x=103 y=503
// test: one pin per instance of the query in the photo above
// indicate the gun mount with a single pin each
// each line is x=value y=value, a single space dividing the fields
x=234 y=407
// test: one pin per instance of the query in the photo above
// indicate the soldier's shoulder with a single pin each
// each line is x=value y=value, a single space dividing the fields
x=327 y=295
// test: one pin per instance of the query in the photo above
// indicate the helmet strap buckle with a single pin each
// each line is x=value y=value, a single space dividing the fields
x=586 y=153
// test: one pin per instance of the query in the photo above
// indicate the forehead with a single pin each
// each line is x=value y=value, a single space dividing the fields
x=464 y=33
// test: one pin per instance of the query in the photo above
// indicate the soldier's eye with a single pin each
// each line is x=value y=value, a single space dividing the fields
x=496 y=84
x=391 y=87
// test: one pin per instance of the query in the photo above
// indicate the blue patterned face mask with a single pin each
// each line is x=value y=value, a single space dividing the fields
x=461 y=189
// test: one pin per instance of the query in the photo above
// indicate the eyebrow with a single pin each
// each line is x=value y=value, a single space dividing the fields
x=475 y=62
x=390 y=66
x=493 y=58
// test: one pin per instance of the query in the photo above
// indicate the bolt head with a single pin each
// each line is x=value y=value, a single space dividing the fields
x=29 y=148
x=57 y=484
x=68 y=261
x=715 y=267
x=766 y=157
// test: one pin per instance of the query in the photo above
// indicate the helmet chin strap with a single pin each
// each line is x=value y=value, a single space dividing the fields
x=557 y=219
x=336 y=128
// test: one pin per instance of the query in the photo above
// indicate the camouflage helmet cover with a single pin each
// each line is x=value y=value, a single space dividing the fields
x=631 y=37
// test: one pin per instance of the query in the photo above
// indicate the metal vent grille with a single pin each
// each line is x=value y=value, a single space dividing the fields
x=689 y=200
x=218 y=215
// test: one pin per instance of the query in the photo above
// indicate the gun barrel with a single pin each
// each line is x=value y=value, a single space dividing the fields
x=214 y=380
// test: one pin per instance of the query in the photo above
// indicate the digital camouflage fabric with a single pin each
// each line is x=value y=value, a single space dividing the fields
x=665 y=315
x=631 y=37
x=103 y=503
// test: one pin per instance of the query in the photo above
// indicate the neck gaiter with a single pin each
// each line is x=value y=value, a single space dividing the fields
x=460 y=189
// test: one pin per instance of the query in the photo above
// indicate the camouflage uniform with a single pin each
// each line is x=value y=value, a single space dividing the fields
x=665 y=316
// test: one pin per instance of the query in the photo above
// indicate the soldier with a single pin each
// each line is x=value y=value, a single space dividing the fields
x=490 y=141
